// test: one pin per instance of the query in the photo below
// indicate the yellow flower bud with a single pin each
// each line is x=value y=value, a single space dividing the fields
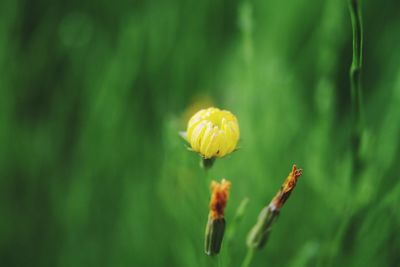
x=213 y=132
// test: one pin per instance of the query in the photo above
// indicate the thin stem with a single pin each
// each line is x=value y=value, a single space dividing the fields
x=355 y=82
x=249 y=257
x=231 y=230
x=219 y=261
x=357 y=125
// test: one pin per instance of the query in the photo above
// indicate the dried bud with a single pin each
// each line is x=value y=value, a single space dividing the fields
x=286 y=188
x=259 y=234
x=215 y=227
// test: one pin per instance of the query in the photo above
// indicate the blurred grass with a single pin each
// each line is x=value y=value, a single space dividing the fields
x=93 y=173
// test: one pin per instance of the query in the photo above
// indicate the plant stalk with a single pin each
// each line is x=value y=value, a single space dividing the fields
x=249 y=257
x=355 y=83
x=357 y=123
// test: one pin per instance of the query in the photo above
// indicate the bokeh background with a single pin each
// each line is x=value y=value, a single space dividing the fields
x=93 y=94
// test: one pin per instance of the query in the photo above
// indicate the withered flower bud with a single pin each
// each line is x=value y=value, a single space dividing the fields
x=259 y=234
x=215 y=227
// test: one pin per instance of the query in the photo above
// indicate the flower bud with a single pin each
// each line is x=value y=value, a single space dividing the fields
x=213 y=132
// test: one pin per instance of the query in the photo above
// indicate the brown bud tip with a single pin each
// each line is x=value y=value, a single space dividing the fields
x=287 y=187
x=219 y=198
x=291 y=180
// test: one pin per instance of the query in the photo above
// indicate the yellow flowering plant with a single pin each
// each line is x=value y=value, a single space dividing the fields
x=214 y=133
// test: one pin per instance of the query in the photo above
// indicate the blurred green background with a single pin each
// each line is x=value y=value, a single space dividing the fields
x=93 y=94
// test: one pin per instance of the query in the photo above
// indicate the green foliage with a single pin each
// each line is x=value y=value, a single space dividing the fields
x=93 y=94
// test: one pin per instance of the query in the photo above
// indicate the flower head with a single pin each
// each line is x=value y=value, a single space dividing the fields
x=213 y=132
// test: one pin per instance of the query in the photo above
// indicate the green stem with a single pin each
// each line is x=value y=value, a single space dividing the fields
x=219 y=261
x=249 y=257
x=357 y=126
x=355 y=82
x=206 y=164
